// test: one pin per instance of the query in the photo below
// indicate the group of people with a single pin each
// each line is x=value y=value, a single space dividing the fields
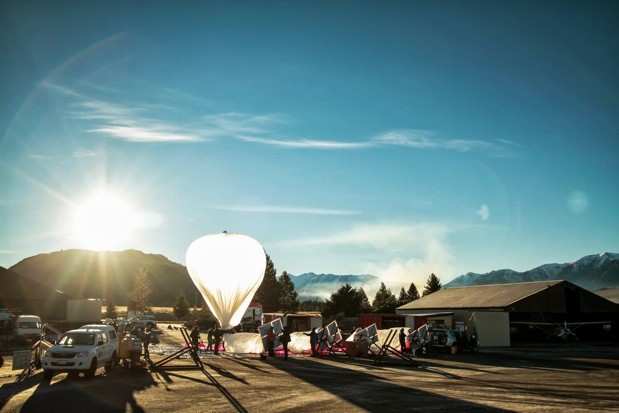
x=285 y=339
x=408 y=342
x=143 y=334
x=214 y=336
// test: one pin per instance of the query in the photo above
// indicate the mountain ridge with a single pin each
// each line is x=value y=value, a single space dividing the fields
x=592 y=272
x=110 y=274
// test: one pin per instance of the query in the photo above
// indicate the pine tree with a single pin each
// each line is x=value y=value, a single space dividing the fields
x=403 y=298
x=384 y=300
x=141 y=287
x=412 y=293
x=268 y=292
x=345 y=302
x=181 y=307
x=110 y=310
x=364 y=303
x=432 y=285
x=289 y=298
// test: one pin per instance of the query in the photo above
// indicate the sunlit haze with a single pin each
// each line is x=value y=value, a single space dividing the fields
x=396 y=139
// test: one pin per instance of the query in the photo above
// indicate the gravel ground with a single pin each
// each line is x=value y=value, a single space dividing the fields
x=578 y=378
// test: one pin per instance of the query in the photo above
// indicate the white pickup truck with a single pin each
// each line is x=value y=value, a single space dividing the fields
x=82 y=351
x=143 y=321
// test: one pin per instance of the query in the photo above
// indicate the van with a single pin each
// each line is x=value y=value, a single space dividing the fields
x=28 y=327
x=82 y=351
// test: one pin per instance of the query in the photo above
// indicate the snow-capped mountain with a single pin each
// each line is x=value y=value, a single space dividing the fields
x=321 y=286
x=591 y=272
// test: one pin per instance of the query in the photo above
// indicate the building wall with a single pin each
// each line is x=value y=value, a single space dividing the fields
x=492 y=328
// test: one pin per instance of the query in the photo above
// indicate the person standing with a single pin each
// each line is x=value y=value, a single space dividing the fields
x=402 y=341
x=284 y=337
x=271 y=342
x=146 y=341
x=209 y=339
x=313 y=335
x=217 y=334
x=195 y=337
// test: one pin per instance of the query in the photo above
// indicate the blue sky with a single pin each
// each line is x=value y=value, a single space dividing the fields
x=394 y=139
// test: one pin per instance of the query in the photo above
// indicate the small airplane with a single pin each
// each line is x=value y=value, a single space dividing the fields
x=564 y=331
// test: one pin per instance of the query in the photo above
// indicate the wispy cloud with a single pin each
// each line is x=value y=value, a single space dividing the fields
x=131 y=124
x=422 y=139
x=144 y=134
x=141 y=122
x=286 y=210
x=308 y=143
x=236 y=124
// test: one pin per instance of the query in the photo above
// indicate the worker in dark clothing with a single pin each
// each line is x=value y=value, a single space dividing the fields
x=195 y=337
x=284 y=337
x=217 y=334
x=313 y=335
x=146 y=341
x=402 y=341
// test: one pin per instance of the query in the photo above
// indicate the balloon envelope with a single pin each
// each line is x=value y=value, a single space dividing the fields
x=227 y=269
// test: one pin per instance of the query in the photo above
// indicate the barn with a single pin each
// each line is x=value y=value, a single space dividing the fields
x=21 y=294
x=529 y=311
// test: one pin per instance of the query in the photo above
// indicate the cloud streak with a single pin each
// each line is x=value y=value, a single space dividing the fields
x=286 y=210
x=136 y=123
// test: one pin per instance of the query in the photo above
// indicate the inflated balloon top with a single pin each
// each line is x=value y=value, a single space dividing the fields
x=227 y=269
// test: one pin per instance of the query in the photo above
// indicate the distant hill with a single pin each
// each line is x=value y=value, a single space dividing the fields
x=311 y=286
x=610 y=293
x=92 y=274
x=592 y=272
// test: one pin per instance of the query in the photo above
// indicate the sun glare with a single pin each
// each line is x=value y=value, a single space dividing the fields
x=102 y=222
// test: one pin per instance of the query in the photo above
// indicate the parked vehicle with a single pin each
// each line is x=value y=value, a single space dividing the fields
x=82 y=351
x=455 y=340
x=28 y=327
x=143 y=321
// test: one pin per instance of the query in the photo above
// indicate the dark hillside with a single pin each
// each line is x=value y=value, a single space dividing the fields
x=88 y=274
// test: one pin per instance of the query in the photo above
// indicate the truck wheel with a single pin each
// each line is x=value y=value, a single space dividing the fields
x=90 y=373
x=48 y=374
x=113 y=361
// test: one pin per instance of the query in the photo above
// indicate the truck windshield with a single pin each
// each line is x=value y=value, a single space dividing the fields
x=77 y=339
x=29 y=324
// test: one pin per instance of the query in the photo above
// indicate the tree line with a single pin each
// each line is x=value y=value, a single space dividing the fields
x=279 y=295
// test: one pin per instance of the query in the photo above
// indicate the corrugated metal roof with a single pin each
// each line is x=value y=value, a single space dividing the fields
x=479 y=296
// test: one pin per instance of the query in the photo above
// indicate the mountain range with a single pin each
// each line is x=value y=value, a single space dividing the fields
x=85 y=274
x=592 y=272
x=311 y=286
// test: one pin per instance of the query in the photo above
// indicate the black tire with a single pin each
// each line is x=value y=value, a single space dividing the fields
x=90 y=373
x=113 y=362
x=48 y=374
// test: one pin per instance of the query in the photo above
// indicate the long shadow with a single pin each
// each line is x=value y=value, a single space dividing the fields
x=536 y=359
x=8 y=390
x=166 y=376
x=118 y=394
x=369 y=391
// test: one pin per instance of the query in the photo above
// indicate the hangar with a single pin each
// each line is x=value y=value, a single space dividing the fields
x=31 y=297
x=529 y=311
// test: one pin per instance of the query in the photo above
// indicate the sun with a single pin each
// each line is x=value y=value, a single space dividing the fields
x=102 y=222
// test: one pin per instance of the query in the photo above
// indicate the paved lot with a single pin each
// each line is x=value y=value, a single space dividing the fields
x=558 y=379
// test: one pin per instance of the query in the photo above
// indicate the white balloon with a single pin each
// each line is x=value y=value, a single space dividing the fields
x=227 y=269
